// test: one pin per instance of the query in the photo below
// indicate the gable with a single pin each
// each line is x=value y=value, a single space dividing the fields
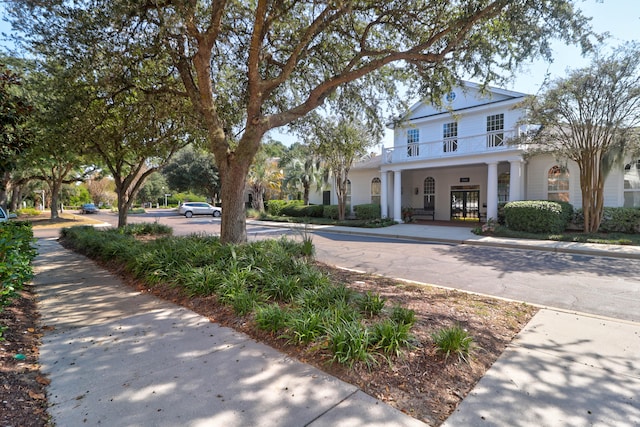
x=462 y=98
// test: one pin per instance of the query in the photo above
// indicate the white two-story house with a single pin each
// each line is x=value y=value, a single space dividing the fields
x=456 y=162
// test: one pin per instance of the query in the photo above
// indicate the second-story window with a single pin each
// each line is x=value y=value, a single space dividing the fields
x=450 y=137
x=495 y=130
x=413 y=138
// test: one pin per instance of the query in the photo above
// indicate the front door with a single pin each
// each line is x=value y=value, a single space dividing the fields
x=465 y=202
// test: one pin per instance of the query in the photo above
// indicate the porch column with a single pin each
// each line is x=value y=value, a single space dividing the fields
x=397 y=196
x=492 y=191
x=384 y=208
x=515 y=180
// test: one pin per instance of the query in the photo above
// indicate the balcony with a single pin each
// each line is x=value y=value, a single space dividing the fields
x=450 y=147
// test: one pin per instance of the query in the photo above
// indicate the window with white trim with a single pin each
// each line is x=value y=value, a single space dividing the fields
x=495 y=130
x=413 y=139
x=558 y=184
x=450 y=137
x=376 y=187
x=632 y=184
x=348 y=199
x=503 y=187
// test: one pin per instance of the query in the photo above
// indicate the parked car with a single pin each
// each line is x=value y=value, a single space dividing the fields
x=190 y=209
x=3 y=215
x=88 y=208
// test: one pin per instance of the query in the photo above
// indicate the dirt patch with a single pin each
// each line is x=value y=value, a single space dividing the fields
x=23 y=399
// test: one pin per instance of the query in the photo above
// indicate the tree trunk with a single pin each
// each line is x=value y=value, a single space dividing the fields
x=233 y=228
x=123 y=210
x=306 y=192
x=592 y=186
x=55 y=193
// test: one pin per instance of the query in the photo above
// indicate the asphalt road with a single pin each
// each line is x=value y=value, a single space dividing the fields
x=596 y=285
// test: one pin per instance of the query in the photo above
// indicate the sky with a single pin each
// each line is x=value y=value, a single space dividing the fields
x=620 y=18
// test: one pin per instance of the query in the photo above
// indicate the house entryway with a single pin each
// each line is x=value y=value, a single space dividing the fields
x=465 y=202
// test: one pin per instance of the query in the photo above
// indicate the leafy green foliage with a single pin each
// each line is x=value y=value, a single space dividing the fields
x=271 y=318
x=537 y=216
x=16 y=254
x=390 y=336
x=349 y=342
x=454 y=340
x=367 y=211
x=371 y=304
x=403 y=315
x=614 y=220
x=591 y=117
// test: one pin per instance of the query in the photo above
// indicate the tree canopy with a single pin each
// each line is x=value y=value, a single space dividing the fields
x=591 y=117
x=249 y=67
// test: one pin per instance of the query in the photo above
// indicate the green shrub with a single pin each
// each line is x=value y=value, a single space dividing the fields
x=537 y=216
x=16 y=254
x=284 y=207
x=614 y=220
x=274 y=207
x=330 y=211
x=454 y=340
x=146 y=229
x=368 y=211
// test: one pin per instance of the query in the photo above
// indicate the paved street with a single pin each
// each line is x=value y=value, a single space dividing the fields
x=591 y=284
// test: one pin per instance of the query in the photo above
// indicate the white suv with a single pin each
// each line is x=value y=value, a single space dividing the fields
x=190 y=209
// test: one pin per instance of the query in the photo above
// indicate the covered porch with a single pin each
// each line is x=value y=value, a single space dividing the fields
x=455 y=193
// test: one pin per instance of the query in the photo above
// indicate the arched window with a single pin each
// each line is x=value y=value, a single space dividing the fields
x=558 y=184
x=429 y=193
x=375 y=190
x=503 y=187
x=632 y=184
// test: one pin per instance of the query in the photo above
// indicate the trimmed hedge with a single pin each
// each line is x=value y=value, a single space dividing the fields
x=367 y=211
x=331 y=211
x=275 y=207
x=315 y=211
x=614 y=220
x=538 y=216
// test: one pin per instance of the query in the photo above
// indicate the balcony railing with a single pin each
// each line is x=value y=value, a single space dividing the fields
x=449 y=147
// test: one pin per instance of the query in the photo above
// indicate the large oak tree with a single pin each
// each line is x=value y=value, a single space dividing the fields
x=252 y=66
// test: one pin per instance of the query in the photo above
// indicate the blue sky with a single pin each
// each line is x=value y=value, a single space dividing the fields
x=620 y=18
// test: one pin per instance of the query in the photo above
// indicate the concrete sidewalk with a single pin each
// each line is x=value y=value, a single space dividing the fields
x=116 y=357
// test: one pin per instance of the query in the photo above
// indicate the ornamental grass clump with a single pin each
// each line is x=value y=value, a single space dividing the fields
x=454 y=340
x=371 y=304
x=348 y=341
x=390 y=337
